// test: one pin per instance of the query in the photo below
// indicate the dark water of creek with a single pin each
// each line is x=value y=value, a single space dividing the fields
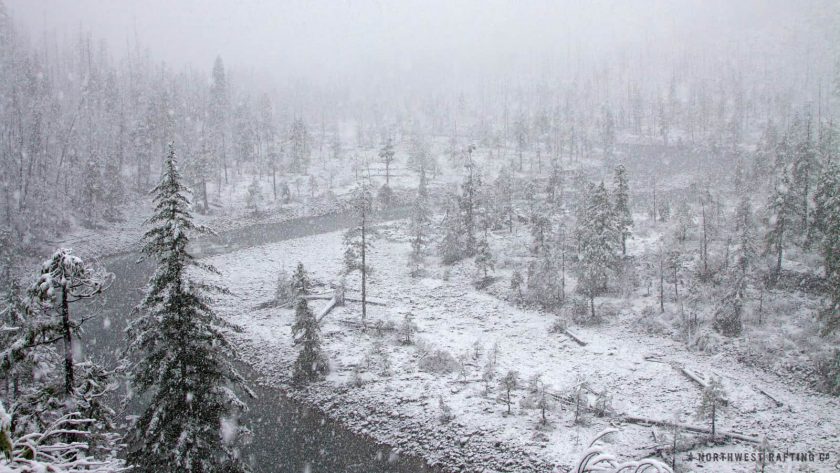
x=287 y=436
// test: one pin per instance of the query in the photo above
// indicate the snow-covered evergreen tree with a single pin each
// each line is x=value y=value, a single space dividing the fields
x=746 y=250
x=114 y=192
x=92 y=193
x=358 y=240
x=254 y=198
x=311 y=363
x=451 y=246
x=516 y=283
x=827 y=223
x=469 y=205
x=621 y=207
x=597 y=239
x=713 y=400
x=503 y=198
x=181 y=356
x=43 y=384
x=780 y=208
x=420 y=226
x=301 y=284
x=64 y=280
x=484 y=259
x=299 y=147
x=386 y=154
x=729 y=314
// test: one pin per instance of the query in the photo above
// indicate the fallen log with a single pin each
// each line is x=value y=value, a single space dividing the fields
x=368 y=300
x=690 y=428
x=694 y=377
x=326 y=310
x=575 y=338
x=778 y=402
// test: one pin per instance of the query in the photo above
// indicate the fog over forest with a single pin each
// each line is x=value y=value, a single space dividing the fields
x=419 y=236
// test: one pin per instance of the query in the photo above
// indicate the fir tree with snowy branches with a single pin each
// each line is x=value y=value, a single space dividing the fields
x=597 y=240
x=827 y=223
x=484 y=260
x=420 y=226
x=45 y=383
x=181 y=357
x=451 y=246
x=621 y=207
x=301 y=284
x=66 y=279
x=781 y=212
x=311 y=363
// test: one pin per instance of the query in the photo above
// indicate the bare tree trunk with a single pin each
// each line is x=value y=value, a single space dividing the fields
x=364 y=273
x=705 y=241
x=68 y=342
x=661 y=286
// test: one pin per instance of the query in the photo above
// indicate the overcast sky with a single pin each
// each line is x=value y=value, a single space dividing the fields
x=314 y=39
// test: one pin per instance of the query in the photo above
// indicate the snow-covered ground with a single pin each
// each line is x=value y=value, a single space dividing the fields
x=377 y=388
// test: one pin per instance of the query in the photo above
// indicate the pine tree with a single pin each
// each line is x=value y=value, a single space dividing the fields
x=827 y=223
x=387 y=156
x=182 y=358
x=301 y=284
x=746 y=251
x=420 y=226
x=597 y=239
x=803 y=169
x=65 y=279
x=624 y=219
x=555 y=188
x=507 y=385
x=114 y=192
x=299 y=147
x=730 y=311
x=311 y=363
x=516 y=285
x=92 y=193
x=419 y=154
x=254 y=198
x=41 y=392
x=780 y=208
x=714 y=398
x=218 y=117
x=358 y=240
x=504 y=197
x=469 y=205
x=484 y=259
x=451 y=246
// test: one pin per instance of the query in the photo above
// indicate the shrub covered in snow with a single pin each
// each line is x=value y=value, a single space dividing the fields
x=438 y=361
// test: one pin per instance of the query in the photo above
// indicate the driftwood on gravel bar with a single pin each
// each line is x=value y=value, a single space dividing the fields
x=575 y=338
x=691 y=428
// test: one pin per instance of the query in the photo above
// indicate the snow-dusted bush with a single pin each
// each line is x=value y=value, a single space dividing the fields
x=438 y=361
x=284 y=292
x=828 y=372
x=706 y=342
x=379 y=358
x=445 y=411
x=407 y=329
x=560 y=325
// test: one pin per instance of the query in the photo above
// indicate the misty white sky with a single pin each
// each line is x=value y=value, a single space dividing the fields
x=328 y=40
